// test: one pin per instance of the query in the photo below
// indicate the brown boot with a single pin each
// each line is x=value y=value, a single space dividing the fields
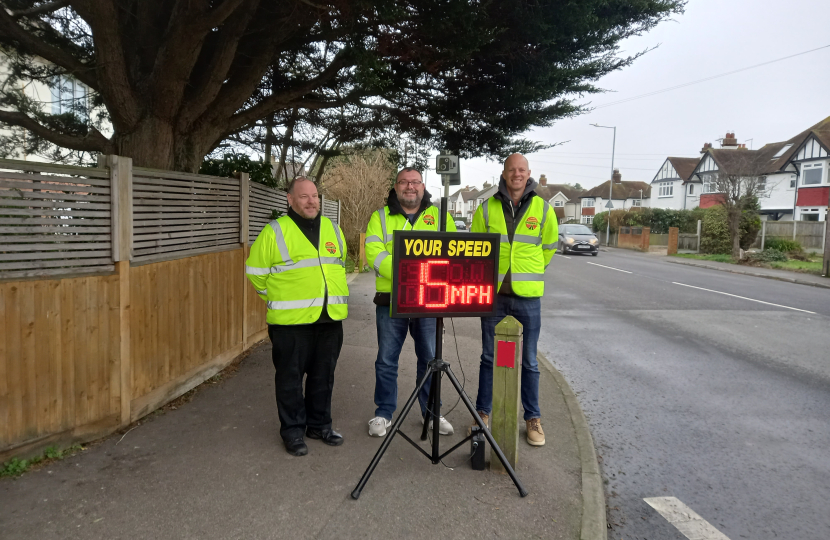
x=484 y=418
x=535 y=435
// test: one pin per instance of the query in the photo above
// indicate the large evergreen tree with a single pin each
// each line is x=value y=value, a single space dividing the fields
x=177 y=77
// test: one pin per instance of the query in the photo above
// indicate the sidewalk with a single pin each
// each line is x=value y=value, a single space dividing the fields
x=215 y=466
x=769 y=273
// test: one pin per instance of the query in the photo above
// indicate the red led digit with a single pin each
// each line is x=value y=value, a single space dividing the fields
x=430 y=283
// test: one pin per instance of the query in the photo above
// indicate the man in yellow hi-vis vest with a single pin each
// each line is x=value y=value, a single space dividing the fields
x=297 y=265
x=408 y=207
x=529 y=231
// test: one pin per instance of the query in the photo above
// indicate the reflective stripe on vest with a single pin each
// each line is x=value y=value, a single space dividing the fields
x=312 y=302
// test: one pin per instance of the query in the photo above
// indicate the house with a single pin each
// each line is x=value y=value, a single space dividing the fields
x=563 y=198
x=794 y=175
x=462 y=203
x=671 y=188
x=624 y=195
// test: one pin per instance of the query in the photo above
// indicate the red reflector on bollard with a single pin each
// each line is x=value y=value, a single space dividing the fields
x=506 y=354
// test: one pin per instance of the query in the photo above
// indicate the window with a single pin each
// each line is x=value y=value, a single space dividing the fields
x=636 y=202
x=588 y=203
x=558 y=203
x=781 y=152
x=761 y=186
x=666 y=189
x=710 y=184
x=809 y=215
x=587 y=219
x=792 y=181
x=691 y=189
x=69 y=96
x=811 y=173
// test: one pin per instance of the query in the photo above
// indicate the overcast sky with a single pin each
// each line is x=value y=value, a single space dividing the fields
x=766 y=104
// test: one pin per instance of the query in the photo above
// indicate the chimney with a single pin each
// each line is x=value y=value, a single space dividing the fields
x=706 y=147
x=617 y=177
x=730 y=141
x=543 y=180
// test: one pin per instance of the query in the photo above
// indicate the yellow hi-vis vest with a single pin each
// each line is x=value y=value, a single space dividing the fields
x=533 y=246
x=382 y=226
x=294 y=278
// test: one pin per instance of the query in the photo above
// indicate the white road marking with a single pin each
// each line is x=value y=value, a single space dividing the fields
x=565 y=256
x=610 y=268
x=745 y=298
x=685 y=519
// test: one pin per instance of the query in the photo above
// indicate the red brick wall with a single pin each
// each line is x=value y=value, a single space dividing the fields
x=816 y=196
x=711 y=199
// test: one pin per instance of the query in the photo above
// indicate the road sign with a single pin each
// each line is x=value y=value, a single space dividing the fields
x=446 y=164
x=442 y=274
x=609 y=205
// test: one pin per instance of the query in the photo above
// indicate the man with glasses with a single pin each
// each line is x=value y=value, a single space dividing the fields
x=408 y=207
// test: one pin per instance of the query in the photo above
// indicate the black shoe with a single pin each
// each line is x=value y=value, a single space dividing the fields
x=296 y=447
x=328 y=436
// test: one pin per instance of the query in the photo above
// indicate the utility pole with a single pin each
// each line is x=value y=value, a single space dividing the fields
x=610 y=183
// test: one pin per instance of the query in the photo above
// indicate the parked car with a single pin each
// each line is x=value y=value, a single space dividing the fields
x=460 y=225
x=578 y=239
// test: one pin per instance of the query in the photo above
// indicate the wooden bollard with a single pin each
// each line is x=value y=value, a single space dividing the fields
x=361 y=257
x=507 y=368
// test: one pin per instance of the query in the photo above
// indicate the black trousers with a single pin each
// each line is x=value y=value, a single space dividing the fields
x=308 y=351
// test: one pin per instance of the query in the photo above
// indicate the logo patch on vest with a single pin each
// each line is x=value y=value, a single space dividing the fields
x=532 y=223
x=429 y=220
x=331 y=248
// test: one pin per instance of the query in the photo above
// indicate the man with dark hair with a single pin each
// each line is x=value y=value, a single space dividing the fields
x=297 y=265
x=408 y=207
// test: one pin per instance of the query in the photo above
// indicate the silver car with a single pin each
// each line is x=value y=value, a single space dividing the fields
x=577 y=238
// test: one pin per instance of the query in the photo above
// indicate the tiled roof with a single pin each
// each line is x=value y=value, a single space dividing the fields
x=684 y=166
x=624 y=190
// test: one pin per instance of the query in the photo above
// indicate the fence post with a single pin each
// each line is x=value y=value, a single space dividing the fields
x=507 y=369
x=244 y=205
x=795 y=227
x=644 y=239
x=121 y=197
x=826 y=257
x=323 y=205
x=673 y=234
x=763 y=233
x=360 y=263
x=698 y=235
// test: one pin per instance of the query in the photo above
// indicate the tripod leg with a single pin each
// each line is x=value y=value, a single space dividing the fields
x=429 y=407
x=436 y=415
x=487 y=435
x=390 y=435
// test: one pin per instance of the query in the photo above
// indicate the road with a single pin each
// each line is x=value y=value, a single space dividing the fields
x=710 y=387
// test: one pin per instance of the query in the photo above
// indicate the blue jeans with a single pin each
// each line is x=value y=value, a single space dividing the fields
x=391 y=335
x=527 y=311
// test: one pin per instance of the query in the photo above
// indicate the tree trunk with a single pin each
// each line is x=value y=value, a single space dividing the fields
x=734 y=215
x=155 y=145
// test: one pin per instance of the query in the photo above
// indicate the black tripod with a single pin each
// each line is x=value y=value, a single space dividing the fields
x=435 y=369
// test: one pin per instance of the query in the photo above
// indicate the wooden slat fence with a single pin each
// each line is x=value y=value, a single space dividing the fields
x=178 y=213
x=263 y=202
x=810 y=234
x=164 y=303
x=54 y=220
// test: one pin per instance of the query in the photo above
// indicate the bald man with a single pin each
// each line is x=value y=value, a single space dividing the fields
x=529 y=231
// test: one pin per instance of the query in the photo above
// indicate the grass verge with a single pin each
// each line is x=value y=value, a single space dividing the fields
x=813 y=266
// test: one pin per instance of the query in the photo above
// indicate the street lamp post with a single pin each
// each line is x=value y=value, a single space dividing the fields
x=610 y=182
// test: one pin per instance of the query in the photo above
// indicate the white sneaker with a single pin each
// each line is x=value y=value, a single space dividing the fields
x=444 y=427
x=378 y=425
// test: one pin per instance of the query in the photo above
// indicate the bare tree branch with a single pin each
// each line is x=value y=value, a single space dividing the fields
x=289 y=98
x=122 y=102
x=92 y=142
x=83 y=72
x=38 y=10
